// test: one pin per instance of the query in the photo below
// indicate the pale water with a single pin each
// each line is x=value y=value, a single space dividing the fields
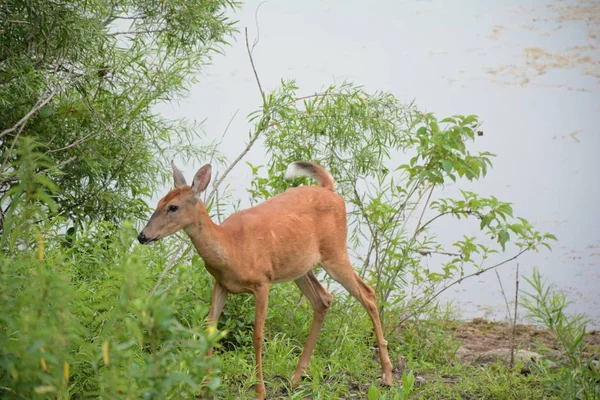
x=529 y=70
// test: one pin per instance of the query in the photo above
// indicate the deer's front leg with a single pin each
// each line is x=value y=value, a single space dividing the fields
x=219 y=296
x=261 y=294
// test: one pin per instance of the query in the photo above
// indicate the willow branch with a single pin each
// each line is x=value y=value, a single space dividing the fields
x=262 y=93
x=43 y=100
x=457 y=281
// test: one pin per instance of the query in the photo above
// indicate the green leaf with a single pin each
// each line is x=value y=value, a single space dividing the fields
x=447 y=166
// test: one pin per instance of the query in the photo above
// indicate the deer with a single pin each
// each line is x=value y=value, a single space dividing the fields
x=281 y=239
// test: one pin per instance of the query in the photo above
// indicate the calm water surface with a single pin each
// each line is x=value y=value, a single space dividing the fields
x=529 y=70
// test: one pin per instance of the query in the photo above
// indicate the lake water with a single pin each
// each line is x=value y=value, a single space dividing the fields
x=529 y=70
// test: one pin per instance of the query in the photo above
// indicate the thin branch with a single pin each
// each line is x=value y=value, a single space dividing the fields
x=61 y=164
x=468 y=212
x=170 y=265
x=75 y=143
x=457 y=281
x=254 y=137
x=444 y=253
x=255 y=42
x=138 y=32
x=223 y=135
x=262 y=93
x=128 y=17
x=503 y=295
x=42 y=101
x=359 y=203
x=12 y=146
x=514 y=327
x=417 y=230
x=433 y=219
x=215 y=186
x=310 y=96
x=233 y=164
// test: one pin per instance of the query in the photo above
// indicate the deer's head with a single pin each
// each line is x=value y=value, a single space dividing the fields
x=178 y=209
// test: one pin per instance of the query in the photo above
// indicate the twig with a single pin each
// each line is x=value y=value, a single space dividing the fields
x=215 y=186
x=254 y=137
x=223 y=135
x=255 y=42
x=233 y=164
x=417 y=229
x=42 y=101
x=262 y=93
x=310 y=96
x=12 y=146
x=217 y=182
x=170 y=265
x=137 y=32
x=444 y=253
x=75 y=143
x=62 y=163
x=514 y=327
x=457 y=281
x=503 y=295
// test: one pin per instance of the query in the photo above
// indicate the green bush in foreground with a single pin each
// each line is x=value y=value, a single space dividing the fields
x=71 y=333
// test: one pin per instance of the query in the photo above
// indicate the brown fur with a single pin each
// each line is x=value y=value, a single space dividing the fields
x=170 y=196
x=279 y=240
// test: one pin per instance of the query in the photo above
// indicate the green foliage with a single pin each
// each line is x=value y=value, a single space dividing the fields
x=78 y=321
x=82 y=79
x=388 y=160
x=85 y=313
x=403 y=391
x=578 y=376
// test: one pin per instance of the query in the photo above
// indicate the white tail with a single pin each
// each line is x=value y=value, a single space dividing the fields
x=302 y=168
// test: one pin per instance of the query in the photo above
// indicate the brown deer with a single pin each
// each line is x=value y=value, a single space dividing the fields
x=279 y=240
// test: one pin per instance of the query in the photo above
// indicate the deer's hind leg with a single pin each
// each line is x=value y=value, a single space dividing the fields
x=320 y=299
x=340 y=269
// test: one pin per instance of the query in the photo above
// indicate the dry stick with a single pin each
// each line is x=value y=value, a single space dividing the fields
x=457 y=281
x=217 y=182
x=252 y=63
x=254 y=137
x=503 y=295
x=233 y=164
x=255 y=42
x=514 y=327
x=224 y=134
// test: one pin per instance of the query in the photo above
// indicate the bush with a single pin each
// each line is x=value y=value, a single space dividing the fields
x=79 y=322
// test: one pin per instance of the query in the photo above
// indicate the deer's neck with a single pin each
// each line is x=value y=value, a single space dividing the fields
x=209 y=240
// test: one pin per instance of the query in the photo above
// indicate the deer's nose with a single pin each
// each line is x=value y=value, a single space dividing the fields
x=142 y=238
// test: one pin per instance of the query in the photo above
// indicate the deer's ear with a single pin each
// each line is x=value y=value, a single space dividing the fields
x=201 y=179
x=177 y=176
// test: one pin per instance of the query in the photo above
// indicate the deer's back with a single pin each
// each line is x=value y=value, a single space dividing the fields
x=292 y=231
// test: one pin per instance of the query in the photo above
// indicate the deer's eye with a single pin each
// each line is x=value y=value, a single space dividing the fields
x=172 y=208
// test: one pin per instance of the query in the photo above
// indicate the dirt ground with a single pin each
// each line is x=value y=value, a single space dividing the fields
x=480 y=335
